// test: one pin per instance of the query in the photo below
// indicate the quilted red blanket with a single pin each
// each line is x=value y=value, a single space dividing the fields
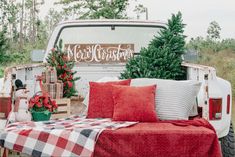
x=191 y=138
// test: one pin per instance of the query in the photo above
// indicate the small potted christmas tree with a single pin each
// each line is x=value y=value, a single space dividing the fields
x=58 y=59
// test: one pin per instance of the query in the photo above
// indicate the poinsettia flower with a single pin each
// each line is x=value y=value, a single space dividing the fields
x=46 y=100
x=63 y=75
x=54 y=104
x=70 y=77
x=47 y=105
x=38 y=104
x=31 y=103
x=34 y=101
x=70 y=84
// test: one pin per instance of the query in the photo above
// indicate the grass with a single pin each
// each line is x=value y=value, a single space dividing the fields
x=223 y=61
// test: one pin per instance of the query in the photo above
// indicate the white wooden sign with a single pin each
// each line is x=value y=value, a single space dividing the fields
x=100 y=53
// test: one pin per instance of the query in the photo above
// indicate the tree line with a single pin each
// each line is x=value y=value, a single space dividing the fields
x=22 y=30
x=212 y=42
x=20 y=21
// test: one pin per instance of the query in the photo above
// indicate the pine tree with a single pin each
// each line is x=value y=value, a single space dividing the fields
x=4 y=45
x=58 y=59
x=162 y=57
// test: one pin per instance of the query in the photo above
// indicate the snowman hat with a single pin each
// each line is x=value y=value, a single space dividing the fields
x=19 y=84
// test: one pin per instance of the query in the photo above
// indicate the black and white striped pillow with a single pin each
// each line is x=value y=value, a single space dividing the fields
x=174 y=99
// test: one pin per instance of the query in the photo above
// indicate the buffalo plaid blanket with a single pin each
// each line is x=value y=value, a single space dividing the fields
x=64 y=137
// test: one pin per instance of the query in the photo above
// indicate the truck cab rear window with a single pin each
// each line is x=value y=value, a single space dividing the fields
x=135 y=36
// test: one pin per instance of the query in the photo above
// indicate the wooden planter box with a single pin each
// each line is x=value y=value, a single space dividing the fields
x=63 y=110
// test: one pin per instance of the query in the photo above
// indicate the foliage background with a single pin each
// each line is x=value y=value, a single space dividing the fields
x=219 y=54
x=21 y=31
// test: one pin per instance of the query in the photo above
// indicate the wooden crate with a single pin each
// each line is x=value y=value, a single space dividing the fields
x=2 y=115
x=63 y=110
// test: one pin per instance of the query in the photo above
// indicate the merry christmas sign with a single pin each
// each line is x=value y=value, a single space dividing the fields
x=100 y=53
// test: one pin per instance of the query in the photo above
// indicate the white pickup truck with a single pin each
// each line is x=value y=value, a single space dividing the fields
x=109 y=44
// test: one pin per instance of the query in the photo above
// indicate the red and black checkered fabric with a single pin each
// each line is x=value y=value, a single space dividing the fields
x=65 y=137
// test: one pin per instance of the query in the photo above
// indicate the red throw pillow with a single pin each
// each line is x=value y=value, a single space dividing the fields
x=134 y=103
x=100 y=99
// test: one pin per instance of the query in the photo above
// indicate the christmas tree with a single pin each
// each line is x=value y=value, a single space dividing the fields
x=58 y=59
x=162 y=58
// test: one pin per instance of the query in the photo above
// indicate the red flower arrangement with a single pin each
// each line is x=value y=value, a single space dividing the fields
x=42 y=102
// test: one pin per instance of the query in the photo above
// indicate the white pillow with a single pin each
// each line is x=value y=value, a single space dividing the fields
x=103 y=79
x=174 y=99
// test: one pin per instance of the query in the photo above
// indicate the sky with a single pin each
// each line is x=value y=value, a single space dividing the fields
x=197 y=14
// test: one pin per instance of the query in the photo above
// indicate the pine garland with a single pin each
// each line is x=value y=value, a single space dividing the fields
x=58 y=59
x=162 y=58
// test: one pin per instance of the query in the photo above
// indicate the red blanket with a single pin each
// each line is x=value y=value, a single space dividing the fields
x=191 y=138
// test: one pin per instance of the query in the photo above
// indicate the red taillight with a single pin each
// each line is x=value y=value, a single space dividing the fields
x=228 y=104
x=215 y=108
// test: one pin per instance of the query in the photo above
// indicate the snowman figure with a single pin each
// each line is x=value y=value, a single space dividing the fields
x=21 y=108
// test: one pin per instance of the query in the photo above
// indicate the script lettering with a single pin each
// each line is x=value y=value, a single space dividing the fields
x=99 y=53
